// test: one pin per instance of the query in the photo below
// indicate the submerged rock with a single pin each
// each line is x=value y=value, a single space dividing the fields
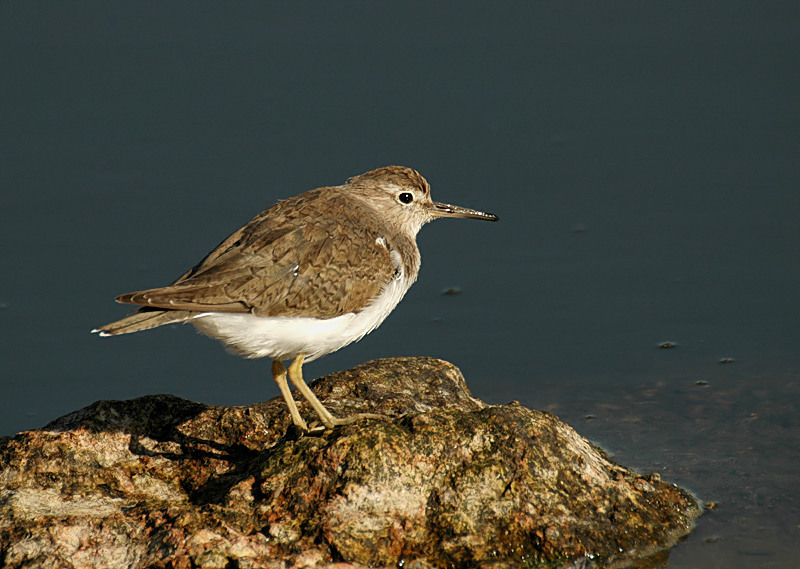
x=449 y=482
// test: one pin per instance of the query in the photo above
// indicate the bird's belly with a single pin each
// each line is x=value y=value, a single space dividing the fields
x=254 y=336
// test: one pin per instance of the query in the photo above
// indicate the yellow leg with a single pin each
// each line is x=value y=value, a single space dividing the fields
x=279 y=374
x=296 y=377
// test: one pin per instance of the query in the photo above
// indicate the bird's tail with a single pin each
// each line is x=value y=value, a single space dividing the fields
x=144 y=319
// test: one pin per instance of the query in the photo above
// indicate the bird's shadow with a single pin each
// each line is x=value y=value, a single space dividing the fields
x=209 y=449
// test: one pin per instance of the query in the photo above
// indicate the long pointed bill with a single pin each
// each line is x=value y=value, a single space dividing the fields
x=447 y=210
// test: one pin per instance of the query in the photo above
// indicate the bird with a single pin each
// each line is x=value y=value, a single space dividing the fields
x=304 y=278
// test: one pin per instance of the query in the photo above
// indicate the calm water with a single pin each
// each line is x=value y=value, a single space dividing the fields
x=644 y=162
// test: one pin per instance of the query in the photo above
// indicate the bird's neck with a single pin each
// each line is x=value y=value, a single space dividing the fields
x=409 y=254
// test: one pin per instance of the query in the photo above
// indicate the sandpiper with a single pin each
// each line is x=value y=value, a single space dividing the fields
x=304 y=278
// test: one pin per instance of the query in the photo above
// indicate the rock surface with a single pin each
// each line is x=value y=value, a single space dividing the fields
x=449 y=482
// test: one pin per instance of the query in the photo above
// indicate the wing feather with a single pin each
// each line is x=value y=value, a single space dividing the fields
x=291 y=260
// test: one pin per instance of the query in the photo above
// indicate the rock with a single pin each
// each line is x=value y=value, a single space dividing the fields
x=449 y=482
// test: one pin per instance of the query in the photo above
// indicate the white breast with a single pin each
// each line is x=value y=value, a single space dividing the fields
x=283 y=338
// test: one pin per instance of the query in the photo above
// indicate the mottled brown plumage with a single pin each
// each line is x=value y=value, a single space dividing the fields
x=340 y=256
x=280 y=264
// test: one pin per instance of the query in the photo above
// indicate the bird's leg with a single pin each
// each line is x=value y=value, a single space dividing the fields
x=279 y=374
x=296 y=377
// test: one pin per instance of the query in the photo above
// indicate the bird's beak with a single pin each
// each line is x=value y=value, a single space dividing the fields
x=447 y=210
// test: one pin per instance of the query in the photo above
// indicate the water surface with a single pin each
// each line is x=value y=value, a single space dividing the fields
x=643 y=161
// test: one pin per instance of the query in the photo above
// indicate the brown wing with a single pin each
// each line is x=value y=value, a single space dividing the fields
x=293 y=259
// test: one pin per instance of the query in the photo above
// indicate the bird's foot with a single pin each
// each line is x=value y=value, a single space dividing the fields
x=330 y=422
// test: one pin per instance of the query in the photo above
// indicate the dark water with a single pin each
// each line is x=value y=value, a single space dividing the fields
x=644 y=162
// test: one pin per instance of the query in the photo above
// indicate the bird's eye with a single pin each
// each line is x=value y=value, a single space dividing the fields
x=406 y=197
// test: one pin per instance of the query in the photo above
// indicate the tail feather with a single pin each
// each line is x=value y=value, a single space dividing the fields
x=144 y=319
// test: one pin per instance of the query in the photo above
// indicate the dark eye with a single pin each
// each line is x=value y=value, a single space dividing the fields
x=406 y=197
